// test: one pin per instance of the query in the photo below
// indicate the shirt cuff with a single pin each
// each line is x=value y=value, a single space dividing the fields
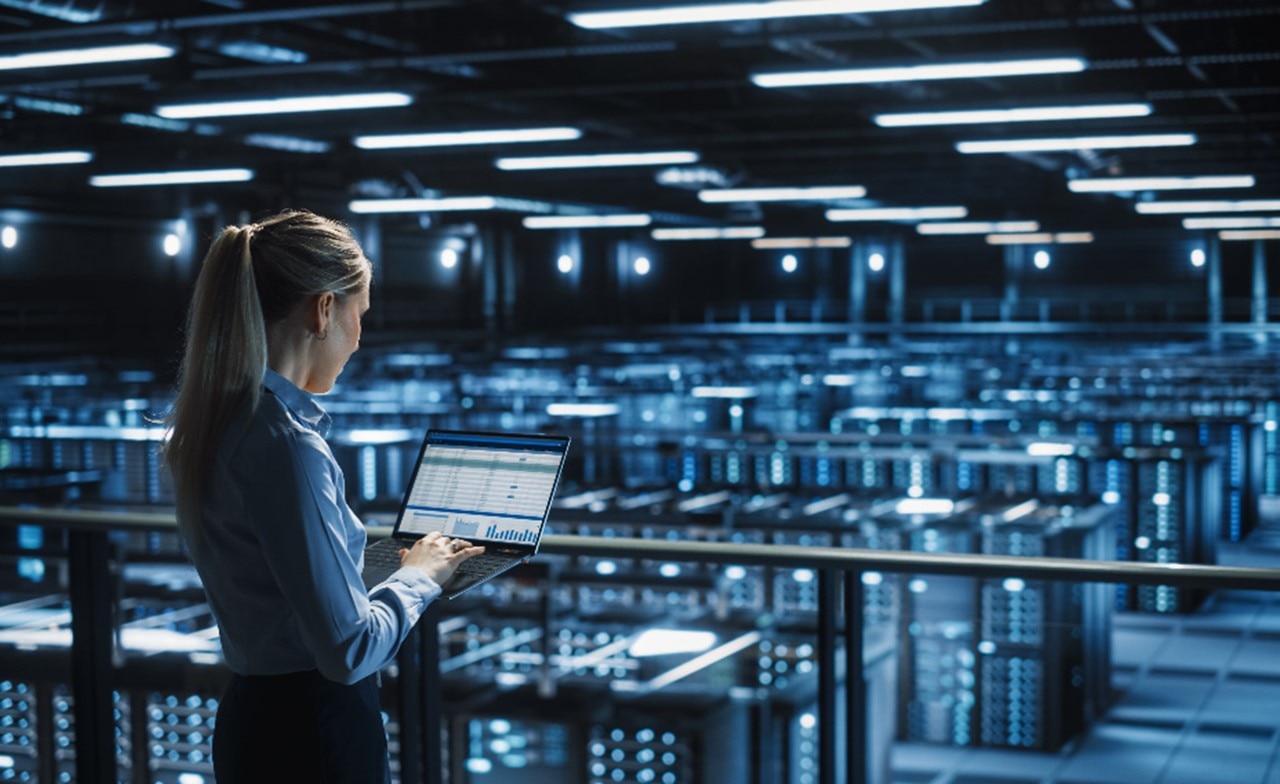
x=410 y=583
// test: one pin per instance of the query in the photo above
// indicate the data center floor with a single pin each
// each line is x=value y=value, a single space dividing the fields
x=1197 y=702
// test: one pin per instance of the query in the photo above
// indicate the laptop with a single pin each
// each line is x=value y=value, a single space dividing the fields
x=491 y=489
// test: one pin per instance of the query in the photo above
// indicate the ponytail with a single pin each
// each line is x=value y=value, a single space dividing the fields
x=252 y=276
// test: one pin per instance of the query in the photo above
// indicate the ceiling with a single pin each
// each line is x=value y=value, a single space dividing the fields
x=1209 y=68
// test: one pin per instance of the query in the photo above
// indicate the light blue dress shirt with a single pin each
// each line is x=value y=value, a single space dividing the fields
x=280 y=552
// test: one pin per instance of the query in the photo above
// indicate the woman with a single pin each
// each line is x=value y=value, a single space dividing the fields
x=274 y=318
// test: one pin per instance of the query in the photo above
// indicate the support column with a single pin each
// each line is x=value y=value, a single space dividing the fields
x=1014 y=259
x=1213 y=260
x=897 y=282
x=1259 y=292
x=486 y=242
x=857 y=286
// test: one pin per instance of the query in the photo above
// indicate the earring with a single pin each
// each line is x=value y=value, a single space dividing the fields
x=321 y=335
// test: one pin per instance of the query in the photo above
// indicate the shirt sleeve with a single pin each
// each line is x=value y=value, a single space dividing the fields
x=299 y=512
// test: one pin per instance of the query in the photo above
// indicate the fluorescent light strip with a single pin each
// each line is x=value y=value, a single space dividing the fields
x=800 y=243
x=732 y=233
x=44 y=105
x=1177 y=207
x=1230 y=223
x=587 y=221
x=1025 y=114
x=316 y=103
x=1078 y=143
x=733 y=12
x=46 y=158
x=275 y=141
x=1130 y=184
x=592 y=161
x=999 y=227
x=913 y=73
x=897 y=214
x=171 y=178
x=1262 y=234
x=1064 y=238
x=782 y=194
x=94 y=54
x=460 y=138
x=450 y=204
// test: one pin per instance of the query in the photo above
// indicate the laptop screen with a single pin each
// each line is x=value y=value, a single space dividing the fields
x=483 y=486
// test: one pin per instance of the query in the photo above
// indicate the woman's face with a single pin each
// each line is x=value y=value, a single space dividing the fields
x=342 y=340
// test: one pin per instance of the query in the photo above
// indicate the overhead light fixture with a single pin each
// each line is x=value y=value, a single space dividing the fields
x=592 y=161
x=914 y=73
x=1023 y=114
x=46 y=158
x=1041 y=238
x=816 y=193
x=1177 y=207
x=1078 y=143
x=48 y=106
x=939 y=506
x=1255 y=234
x=276 y=141
x=86 y=56
x=731 y=233
x=1130 y=184
x=735 y=12
x=1230 y=223
x=447 y=204
x=191 y=177
x=977 y=227
x=896 y=213
x=256 y=52
x=462 y=138
x=314 y=103
x=624 y=220
x=800 y=243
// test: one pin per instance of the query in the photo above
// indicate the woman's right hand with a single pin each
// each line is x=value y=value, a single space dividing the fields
x=438 y=555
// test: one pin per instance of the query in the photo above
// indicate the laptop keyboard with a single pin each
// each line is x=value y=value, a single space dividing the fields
x=484 y=564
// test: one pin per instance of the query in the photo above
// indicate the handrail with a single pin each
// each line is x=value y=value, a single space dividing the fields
x=788 y=556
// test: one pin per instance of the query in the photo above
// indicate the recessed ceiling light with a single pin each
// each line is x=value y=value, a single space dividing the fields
x=1023 y=114
x=86 y=56
x=1230 y=223
x=797 y=243
x=447 y=204
x=813 y=193
x=171 y=178
x=897 y=213
x=733 y=12
x=912 y=73
x=1077 y=143
x=1179 y=207
x=587 y=221
x=977 y=227
x=291 y=105
x=463 y=138
x=593 y=161
x=730 y=233
x=46 y=158
x=1130 y=184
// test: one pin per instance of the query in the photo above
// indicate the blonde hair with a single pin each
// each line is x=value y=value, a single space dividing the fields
x=252 y=277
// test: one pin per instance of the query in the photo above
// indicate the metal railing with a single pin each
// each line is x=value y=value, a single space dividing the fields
x=92 y=634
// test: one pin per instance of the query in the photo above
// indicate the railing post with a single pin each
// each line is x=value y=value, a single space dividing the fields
x=855 y=688
x=826 y=677
x=91 y=653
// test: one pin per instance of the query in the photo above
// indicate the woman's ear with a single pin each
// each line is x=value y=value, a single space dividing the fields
x=321 y=313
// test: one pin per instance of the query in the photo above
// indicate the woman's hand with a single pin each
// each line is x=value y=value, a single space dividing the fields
x=438 y=555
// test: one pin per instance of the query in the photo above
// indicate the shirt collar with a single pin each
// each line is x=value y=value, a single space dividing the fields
x=301 y=404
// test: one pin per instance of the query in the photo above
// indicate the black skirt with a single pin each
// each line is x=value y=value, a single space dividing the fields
x=299 y=727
